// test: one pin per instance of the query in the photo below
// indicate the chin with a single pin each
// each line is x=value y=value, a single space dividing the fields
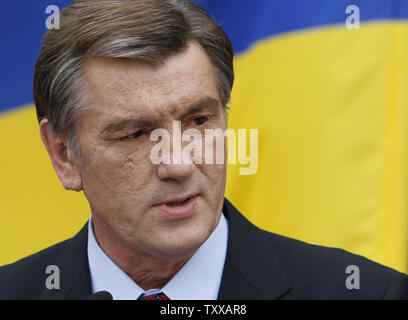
x=183 y=245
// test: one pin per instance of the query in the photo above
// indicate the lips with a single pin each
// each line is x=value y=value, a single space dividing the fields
x=178 y=201
x=177 y=208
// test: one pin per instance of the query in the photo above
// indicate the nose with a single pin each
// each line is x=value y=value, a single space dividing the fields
x=175 y=171
x=177 y=167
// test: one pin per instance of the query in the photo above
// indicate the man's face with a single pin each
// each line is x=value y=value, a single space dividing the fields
x=129 y=195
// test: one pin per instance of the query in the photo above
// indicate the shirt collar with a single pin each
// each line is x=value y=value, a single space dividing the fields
x=198 y=279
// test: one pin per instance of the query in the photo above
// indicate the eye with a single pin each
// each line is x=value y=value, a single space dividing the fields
x=200 y=120
x=135 y=135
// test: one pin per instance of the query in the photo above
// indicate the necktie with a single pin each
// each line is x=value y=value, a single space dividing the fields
x=156 y=296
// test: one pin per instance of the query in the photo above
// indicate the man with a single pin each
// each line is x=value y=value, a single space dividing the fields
x=116 y=71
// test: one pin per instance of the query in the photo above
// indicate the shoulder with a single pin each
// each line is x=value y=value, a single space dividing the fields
x=312 y=271
x=26 y=278
x=324 y=272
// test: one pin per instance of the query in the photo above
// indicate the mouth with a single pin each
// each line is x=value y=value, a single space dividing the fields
x=178 y=203
x=178 y=207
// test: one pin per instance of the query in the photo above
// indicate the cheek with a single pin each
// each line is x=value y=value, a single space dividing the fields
x=137 y=171
x=216 y=177
x=116 y=172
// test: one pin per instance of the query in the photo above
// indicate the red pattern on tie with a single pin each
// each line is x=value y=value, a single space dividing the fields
x=157 y=296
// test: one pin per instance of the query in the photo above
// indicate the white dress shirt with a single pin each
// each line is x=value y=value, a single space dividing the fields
x=198 y=279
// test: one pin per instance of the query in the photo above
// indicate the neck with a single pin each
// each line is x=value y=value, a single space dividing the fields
x=146 y=270
x=156 y=275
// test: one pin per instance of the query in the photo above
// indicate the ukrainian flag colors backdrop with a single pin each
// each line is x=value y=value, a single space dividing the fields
x=331 y=106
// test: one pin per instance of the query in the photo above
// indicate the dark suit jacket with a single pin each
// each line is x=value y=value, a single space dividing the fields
x=259 y=265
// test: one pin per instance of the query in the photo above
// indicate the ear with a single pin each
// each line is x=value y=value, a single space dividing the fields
x=65 y=163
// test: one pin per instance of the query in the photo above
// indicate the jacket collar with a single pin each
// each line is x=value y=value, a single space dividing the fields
x=72 y=261
x=252 y=269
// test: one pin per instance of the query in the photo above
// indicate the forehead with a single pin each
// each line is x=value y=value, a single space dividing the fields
x=118 y=87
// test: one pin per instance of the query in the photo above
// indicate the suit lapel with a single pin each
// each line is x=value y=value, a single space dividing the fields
x=252 y=269
x=72 y=261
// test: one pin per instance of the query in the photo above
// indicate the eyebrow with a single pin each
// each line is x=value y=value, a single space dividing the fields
x=205 y=103
x=127 y=124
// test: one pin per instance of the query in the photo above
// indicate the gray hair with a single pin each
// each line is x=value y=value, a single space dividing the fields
x=147 y=30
